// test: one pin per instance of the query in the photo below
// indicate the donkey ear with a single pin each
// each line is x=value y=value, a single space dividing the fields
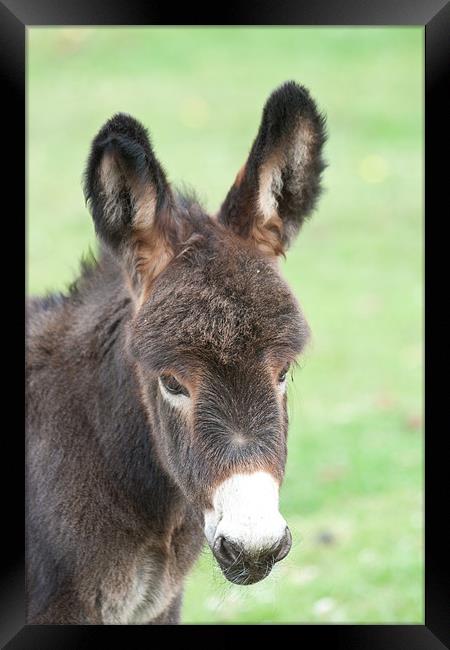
x=279 y=185
x=128 y=195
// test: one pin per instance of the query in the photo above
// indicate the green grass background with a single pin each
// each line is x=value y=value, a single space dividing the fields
x=353 y=490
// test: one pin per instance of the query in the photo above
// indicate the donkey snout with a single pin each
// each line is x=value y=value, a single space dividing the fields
x=244 y=566
x=245 y=528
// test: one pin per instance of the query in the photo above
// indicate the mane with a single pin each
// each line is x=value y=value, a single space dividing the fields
x=53 y=300
x=188 y=199
x=89 y=265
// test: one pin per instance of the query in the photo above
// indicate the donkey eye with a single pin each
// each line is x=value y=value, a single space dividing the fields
x=173 y=386
x=283 y=374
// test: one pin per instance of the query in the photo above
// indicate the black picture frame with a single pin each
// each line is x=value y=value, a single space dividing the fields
x=434 y=16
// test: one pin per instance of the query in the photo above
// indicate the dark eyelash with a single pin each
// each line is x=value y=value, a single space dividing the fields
x=283 y=374
x=173 y=386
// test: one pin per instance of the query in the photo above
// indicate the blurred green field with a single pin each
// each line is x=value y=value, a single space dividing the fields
x=353 y=494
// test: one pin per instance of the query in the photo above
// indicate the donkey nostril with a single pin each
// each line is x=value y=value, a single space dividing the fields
x=226 y=551
x=284 y=547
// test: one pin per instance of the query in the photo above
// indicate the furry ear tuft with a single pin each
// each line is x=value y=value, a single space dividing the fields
x=279 y=185
x=128 y=195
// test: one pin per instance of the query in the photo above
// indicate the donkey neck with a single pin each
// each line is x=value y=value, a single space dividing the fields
x=112 y=398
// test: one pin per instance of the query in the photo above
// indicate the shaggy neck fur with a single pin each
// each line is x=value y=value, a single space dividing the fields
x=102 y=470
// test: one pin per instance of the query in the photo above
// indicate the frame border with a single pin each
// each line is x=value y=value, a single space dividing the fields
x=434 y=16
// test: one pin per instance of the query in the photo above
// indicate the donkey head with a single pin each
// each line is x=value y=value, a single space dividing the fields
x=215 y=327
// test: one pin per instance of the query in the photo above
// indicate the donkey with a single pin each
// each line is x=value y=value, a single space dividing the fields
x=156 y=403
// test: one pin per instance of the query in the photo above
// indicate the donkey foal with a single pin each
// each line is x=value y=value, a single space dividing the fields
x=156 y=406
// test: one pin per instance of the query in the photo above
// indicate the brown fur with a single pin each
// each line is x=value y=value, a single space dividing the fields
x=117 y=479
